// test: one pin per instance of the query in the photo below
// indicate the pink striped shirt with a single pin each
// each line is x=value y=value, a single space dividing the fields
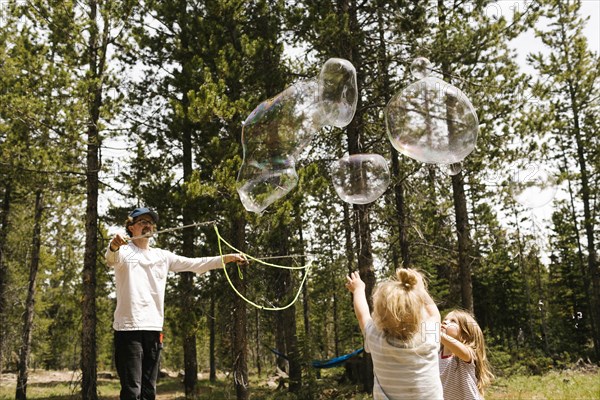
x=458 y=379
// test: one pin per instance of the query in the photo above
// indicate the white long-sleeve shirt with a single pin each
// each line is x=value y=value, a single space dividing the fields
x=141 y=279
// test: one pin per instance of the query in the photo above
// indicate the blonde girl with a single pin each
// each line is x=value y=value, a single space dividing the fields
x=402 y=336
x=464 y=368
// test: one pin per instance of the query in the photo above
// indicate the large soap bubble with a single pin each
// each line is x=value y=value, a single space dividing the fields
x=338 y=92
x=431 y=120
x=283 y=125
x=273 y=136
x=360 y=178
x=279 y=129
x=260 y=185
x=531 y=185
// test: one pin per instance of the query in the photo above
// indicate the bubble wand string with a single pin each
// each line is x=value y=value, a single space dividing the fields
x=172 y=229
x=150 y=234
x=247 y=256
x=305 y=267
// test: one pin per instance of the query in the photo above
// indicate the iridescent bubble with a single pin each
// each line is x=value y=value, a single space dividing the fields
x=273 y=136
x=261 y=184
x=360 y=178
x=421 y=68
x=338 y=92
x=283 y=125
x=531 y=185
x=432 y=122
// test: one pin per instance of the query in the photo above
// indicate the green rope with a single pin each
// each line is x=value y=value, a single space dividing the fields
x=305 y=267
x=249 y=256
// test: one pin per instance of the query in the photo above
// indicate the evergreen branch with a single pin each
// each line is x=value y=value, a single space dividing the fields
x=42 y=171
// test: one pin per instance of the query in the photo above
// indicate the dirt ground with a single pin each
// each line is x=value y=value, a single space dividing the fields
x=73 y=378
x=42 y=376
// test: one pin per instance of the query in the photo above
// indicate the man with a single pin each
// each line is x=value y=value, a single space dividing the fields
x=141 y=278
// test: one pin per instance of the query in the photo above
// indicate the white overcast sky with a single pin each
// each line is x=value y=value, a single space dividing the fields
x=528 y=43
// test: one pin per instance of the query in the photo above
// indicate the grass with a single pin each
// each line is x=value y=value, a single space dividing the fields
x=567 y=384
x=555 y=385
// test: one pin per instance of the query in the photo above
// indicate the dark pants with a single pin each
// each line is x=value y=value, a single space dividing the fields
x=137 y=355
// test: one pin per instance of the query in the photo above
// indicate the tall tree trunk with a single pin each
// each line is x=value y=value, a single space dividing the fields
x=257 y=342
x=362 y=230
x=212 y=334
x=305 y=299
x=400 y=211
x=526 y=286
x=348 y=245
x=336 y=329
x=30 y=302
x=458 y=192
x=3 y=268
x=281 y=362
x=291 y=341
x=190 y=356
x=385 y=88
x=240 y=342
x=588 y=219
x=88 y=341
x=464 y=241
x=580 y=258
x=287 y=331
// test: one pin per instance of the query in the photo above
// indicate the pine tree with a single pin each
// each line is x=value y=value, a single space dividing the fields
x=573 y=94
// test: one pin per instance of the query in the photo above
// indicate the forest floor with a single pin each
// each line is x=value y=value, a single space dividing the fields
x=571 y=384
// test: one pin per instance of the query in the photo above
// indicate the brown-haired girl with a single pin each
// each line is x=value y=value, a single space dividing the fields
x=464 y=368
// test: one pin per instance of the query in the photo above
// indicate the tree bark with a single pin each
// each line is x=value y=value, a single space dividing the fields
x=385 y=87
x=286 y=319
x=190 y=356
x=464 y=241
x=280 y=361
x=212 y=334
x=580 y=257
x=349 y=49
x=458 y=191
x=21 y=393
x=290 y=335
x=88 y=342
x=348 y=245
x=257 y=342
x=3 y=268
x=189 y=325
x=526 y=285
x=400 y=211
x=240 y=342
x=588 y=219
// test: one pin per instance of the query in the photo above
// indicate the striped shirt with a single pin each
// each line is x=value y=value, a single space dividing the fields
x=405 y=370
x=458 y=378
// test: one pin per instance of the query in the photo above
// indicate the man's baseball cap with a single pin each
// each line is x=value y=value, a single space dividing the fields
x=144 y=210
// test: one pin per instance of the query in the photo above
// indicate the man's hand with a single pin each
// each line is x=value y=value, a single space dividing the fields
x=236 y=258
x=117 y=242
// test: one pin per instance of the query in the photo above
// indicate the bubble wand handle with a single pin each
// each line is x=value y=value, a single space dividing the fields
x=173 y=229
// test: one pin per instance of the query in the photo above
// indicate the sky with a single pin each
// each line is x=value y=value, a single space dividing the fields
x=528 y=43
x=537 y=220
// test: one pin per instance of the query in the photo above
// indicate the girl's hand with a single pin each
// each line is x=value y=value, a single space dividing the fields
x=353 y=282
